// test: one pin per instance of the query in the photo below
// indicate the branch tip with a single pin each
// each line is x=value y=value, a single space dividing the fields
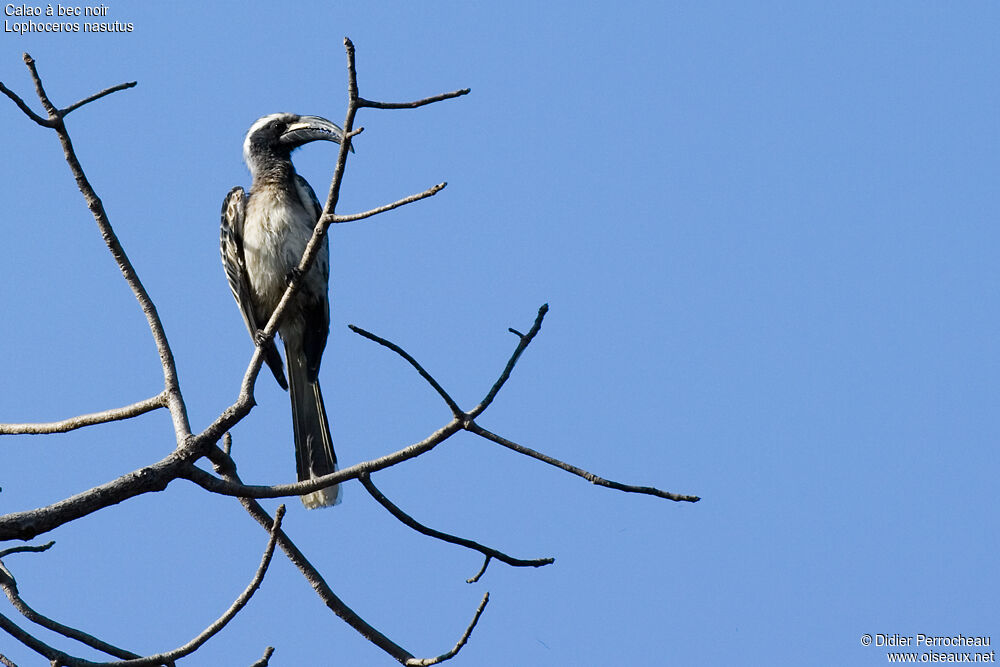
x=27 y=549
x=422 y=662
x=579 y=472
x=525 y=340
x=482 y=570
x=452 y=405
x=406 y=519
x=263 y=662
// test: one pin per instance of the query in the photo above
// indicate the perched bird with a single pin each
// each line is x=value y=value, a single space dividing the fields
x=264 y=235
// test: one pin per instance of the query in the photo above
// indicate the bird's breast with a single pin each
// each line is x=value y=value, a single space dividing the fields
x=275 y=234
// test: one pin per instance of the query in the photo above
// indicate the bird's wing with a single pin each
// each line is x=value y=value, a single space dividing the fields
x=234 y=262
x=307 y=195
x=311 y=204
x=231 y=246
x=317 y=312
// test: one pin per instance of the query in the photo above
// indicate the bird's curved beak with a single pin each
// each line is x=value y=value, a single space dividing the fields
x=312 y=128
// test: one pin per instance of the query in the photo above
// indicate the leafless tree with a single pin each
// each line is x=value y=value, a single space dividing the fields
x=191 y=447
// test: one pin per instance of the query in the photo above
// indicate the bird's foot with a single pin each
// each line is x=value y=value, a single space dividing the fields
x=259 y=338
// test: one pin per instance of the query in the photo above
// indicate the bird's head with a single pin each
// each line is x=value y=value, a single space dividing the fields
x=275 y=136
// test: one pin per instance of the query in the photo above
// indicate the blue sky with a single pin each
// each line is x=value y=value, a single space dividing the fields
x=766 y=231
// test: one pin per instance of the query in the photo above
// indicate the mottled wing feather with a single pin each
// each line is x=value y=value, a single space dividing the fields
x=234 y=262
x=231 y=247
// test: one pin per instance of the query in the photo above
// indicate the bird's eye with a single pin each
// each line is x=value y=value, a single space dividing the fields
x=275 y=125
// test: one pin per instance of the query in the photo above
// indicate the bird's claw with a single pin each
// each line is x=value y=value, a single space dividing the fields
x=293 y=275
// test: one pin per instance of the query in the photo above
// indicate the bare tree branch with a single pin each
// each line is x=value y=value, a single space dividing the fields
x=482 y=571
x=521 y=346
x=26 y=549
x=362 y=102
x=417 y=662
x=429 y=192
x=9 y=587
x=73 y=423
x=24 y=107
x=3 y=659
x=31 y=523
x=50 y=108
x=174 y=399
x=268 y=652
x=226 y=467
x=97 y=96
x=580 y=472
x=222 y=621
x=461 y=541
x=132 y=659
x=228 y=487
x=54 y=656
x=452 y=405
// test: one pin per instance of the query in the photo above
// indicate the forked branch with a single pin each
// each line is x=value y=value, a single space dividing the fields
x=129 y=659
x=226 y=467
x=172 y=392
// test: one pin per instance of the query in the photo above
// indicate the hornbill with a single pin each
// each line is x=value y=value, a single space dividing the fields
x=264 y=235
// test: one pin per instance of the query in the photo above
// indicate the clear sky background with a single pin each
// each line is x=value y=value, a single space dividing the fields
x=768 y=236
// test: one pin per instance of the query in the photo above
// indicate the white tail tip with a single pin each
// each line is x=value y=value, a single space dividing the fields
x=327 y=497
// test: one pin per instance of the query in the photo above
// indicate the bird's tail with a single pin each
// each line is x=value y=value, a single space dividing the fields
x=314 y=455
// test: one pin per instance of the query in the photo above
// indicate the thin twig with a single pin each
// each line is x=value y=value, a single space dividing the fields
x=4 y=660
x=455 y=410
x=489 y=552
x=26 y=549
x=10 y=589
x=525 y=340
x=580 y=472
x=417 y=662
x=50 y=108
x=429 y=192
x=24 y=107
x=73 y=423
x=370 y=104
x=268 y=652
x=222 y=621
x=97 y=96
x=482 y=571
